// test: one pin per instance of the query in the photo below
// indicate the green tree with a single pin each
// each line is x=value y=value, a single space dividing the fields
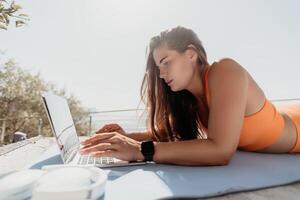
x=20 y=97
x=10 y=10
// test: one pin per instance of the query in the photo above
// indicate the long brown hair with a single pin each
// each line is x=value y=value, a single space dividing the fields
x=173 y=115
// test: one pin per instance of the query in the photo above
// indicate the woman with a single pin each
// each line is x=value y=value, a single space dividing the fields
x=198 y=113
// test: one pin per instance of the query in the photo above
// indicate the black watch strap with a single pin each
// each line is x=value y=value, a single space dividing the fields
x=147 y=149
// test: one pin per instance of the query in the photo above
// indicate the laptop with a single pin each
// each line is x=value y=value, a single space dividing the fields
x=63 y=129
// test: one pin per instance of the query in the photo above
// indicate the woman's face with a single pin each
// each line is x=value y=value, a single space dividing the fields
x=175 y=68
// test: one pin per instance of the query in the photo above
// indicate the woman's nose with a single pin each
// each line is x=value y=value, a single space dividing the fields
x=162 y=73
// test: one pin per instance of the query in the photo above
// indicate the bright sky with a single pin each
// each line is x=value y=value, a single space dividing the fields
x=96 y=49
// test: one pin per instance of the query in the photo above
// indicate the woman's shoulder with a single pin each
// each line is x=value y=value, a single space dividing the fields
x=226 y=67
x=226 y=74
x=227 y=63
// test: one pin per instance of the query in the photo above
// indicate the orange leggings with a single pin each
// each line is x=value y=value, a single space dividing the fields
x=293 y=111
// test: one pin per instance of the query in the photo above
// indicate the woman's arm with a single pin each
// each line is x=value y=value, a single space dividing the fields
x=192 y=152
x=141 y=136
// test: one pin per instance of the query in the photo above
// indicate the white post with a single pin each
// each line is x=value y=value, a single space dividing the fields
x=90 y=125
x=40 y=125
x=3 y=131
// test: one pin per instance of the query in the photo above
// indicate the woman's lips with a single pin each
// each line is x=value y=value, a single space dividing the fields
x=170 y=82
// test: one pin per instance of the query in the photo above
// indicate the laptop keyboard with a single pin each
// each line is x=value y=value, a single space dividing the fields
x=87 y=159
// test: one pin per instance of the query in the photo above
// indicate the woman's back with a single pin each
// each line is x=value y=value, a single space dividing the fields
x=263 y=123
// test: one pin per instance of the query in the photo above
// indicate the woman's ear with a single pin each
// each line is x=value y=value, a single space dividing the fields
x=191 y=52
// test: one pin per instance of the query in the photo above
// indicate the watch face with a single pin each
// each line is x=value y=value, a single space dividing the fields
x=147 y=149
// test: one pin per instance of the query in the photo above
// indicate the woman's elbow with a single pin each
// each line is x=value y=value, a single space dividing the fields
x=218 y=159
x=225 y=161
x=223 y=155
x=225 y=158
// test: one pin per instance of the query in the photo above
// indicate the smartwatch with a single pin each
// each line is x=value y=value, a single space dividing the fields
x=147 y=149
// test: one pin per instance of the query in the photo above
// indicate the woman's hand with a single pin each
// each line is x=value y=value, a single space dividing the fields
x=110 y=128
x=112 y=144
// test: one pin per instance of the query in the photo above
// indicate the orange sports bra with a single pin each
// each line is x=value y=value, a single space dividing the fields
x=260 y=129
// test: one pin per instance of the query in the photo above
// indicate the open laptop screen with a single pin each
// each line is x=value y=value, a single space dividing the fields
x=62 y=123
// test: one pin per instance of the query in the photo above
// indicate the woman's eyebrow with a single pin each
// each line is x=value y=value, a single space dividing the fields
x=162 y=59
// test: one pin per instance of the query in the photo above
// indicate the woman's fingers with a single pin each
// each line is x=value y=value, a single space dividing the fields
x=108 y=128
x=111 y=140
x=97 y=138
x=87 y=146
x=105 y=128
x=99 y=147
x=107 y=153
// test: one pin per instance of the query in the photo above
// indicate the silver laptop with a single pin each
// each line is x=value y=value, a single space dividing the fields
x=64 y=131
